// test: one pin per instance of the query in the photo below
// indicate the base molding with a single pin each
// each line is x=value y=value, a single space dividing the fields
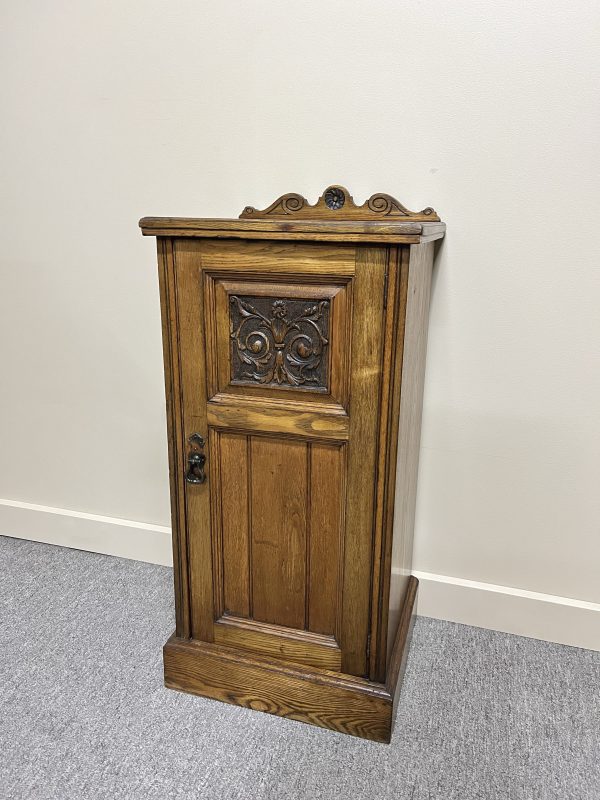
x=548 y=617
x=317 y=696
x=111 y=536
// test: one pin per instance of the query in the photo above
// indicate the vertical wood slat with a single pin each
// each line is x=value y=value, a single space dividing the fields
x=409 y=429
x=309 y=543
x=324 y=546
x=367 y=336
x=214 y=461
x=166 y=279
x=381 y=581
x=249 y=517
x=386 y=426
x=234 y=522
x=193 y=355
x=279 y=516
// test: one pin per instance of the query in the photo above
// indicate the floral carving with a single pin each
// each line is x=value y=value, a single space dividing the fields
x=334 y=198
x=279 y=342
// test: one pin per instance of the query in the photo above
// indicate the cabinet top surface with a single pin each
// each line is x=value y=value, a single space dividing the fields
x=334 y=217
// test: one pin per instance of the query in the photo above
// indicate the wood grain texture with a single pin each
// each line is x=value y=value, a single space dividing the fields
x=266 y=258
x=390 y=410
x=191 y=346
x=171 y=357
x=307 y=694
x=336 y=203
x=278 y=529
x=261 y=417
x=294 y=231
x=390 y=336
x=285 y=596
x=216 y=521
x=290 y=644
x=318 y=697
x=326 y=539
x=229 y=327
x=409 y=426
x=280 y=341
x=233 y=497
x=401 y=641
x=366 y=371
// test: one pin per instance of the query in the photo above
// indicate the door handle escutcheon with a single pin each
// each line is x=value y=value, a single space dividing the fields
x=196 y=460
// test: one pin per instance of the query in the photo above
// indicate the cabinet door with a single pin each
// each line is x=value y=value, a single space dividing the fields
x=280 y=370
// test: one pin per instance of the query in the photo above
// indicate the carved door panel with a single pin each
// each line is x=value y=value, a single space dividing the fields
x=281 y=347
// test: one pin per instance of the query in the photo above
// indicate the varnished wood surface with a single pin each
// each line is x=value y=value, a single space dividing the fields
x=296 y=571
x=336 y=203
x=238 y=486
x=409 y=431
x=279 y=535
x=279 y=514
x=256 y=298
x=392 y=344
x=367 y=343
x=232 y=497
x=401 y=641
x=259 y=259
x=171 y=357
x=317 y=696
x=290 y=644
x=188 y=321
x=294 y=231
x=283 y=556
x=387 y=473
x=327 y=476
x=273 y=419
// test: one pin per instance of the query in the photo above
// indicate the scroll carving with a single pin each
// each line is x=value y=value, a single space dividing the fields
x=337 y=203
x=279 y=342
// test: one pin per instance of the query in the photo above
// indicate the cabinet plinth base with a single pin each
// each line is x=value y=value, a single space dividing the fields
x=317 y=696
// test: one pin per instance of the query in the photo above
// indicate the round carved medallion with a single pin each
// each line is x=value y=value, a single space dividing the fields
x=334 y=198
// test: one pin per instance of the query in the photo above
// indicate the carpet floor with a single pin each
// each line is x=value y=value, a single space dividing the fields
x=84 y=714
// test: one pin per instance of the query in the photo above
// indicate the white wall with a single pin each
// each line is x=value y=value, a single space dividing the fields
x=487 y=111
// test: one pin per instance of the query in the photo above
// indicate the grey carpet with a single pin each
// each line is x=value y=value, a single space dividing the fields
x=83 y=713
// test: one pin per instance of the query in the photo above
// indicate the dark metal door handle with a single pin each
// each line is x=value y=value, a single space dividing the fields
x=196 y=460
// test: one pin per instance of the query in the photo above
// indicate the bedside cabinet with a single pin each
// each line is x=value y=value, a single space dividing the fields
x=294 y=351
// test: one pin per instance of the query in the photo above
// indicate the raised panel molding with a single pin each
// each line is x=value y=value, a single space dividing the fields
x=279 y=533
x=275 y=339
x=303 y=647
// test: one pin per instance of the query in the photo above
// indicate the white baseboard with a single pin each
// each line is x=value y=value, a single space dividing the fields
x=503 y=608
x=485 y=605
x=140 y=541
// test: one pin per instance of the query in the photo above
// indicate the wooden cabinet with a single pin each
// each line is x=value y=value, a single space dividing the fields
x=294 y=348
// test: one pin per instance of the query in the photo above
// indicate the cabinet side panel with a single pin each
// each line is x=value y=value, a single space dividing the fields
x=386 y=468
x=168 y=310
x=409 y=433
x=365 y=385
